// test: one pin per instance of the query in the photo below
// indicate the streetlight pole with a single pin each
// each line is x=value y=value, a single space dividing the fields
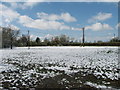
x=83 y=39
x=11 y=39
x=28 y=40
x=11 y=46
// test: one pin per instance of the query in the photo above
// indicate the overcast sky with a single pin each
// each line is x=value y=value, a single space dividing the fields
x=48 y=19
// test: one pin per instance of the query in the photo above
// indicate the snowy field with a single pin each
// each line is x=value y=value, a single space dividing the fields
x=66 y=67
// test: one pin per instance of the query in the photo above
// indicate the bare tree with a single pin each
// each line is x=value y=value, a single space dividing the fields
x=9 y=36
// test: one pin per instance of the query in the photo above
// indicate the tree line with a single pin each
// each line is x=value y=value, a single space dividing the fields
x=11 y=38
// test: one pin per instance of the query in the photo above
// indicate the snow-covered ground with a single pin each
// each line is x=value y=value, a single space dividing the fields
x=102 y=62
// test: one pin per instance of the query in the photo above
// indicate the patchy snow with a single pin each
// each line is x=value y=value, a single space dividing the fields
x=97 y=86
x=52 y=61
x=88 y=57
x=4 y=67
